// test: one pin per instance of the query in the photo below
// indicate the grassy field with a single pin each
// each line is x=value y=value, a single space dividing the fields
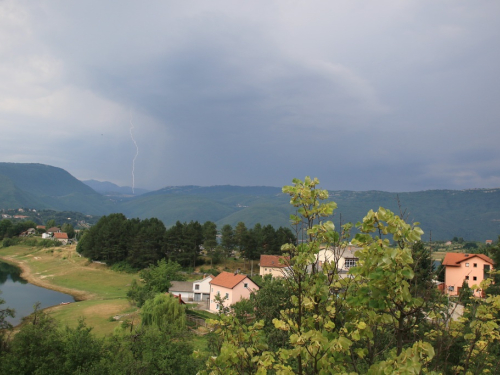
x=101 y=292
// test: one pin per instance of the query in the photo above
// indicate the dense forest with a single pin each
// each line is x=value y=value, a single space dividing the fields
x=141 y=243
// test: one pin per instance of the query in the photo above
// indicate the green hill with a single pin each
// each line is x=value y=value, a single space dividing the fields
x=46 y=187
x=471 y=214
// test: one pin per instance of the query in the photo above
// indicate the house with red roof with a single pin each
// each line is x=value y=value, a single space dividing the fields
x=61 y=237
x=460 y=267
x=275 y=265
x=232 y=287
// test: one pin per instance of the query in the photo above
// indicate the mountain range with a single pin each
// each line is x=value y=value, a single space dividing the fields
x=472 y=214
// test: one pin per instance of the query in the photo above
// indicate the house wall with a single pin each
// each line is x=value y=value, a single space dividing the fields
x=234 y=295
x=329 y=256
x=274 y=271
x=455 y=276
x=203 y=291
x=216 y=289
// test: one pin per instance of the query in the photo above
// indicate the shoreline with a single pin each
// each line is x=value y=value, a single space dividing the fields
x=27 y=274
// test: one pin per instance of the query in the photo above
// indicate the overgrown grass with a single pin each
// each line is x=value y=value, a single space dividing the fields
x=98 y=314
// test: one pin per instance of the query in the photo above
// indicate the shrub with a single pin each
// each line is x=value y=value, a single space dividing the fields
x=123 y=267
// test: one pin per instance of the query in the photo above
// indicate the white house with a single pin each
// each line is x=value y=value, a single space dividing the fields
x=201 y=289
x=182 y=288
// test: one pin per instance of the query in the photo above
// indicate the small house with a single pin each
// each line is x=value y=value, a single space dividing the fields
x=460 y=267
x=274 y=265
x=183 y=289
x=231 y=288
x=61 y=237
x=201 y=289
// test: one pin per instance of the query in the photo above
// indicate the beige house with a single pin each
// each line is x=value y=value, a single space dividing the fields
x=275 y=265
x=343 y=257
x=232 y=287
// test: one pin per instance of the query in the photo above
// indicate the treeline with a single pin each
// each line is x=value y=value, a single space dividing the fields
x=8 y=229
x=140 y=243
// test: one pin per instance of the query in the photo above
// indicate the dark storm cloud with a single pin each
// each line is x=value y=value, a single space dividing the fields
x=389 y=97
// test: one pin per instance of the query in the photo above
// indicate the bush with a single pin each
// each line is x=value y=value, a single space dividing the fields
x=10 y=241
x=123 y=267
x=45 y=242
x=30 y=242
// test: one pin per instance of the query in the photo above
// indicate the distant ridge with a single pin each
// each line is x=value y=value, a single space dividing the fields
x=109 y=188
x=473 y=214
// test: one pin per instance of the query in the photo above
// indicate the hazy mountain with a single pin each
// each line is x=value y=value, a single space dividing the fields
x=471 y=214
x=109 y=188
x=46 y=187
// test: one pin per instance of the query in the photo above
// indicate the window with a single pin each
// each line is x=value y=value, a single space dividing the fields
x=475 y=265
x=350 y=262
x=466 y=277
x=196 y=286
x=265 y=269
x=245 y=285
x=474 y=278
x=466 y=264
x=227 y=295
x=451 y=288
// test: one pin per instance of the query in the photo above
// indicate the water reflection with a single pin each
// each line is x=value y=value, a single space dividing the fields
x=20 y=295
x=7 y=270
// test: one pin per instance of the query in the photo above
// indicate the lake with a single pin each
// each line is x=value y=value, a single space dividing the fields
x=20 y=295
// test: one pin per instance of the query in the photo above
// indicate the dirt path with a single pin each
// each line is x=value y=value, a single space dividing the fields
x=34 y=279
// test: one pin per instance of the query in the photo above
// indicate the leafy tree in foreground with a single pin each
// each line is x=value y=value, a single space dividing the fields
x=4 y=324
x=370 y=322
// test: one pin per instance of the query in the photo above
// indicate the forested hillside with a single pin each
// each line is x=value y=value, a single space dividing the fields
x=471 y=214
x=45 y=187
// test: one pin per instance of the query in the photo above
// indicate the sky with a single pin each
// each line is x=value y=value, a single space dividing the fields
x=365 y=95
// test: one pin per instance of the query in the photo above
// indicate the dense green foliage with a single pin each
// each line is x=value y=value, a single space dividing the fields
x=155 y=279
x=383 y=318
x=5 y=312
x=141 y=243
x=9 y=229
x=42 y=347
x=163 y=310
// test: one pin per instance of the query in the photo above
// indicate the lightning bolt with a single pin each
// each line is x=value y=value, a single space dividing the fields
x=136 y=154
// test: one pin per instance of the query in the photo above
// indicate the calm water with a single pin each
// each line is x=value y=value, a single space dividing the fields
x=20 y=295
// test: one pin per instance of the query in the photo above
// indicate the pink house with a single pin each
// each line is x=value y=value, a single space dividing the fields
x=232 y=286
x=469 y=267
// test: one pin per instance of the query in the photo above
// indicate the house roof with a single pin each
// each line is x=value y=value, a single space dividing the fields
x=275 y=261
x=201 y=280
x=181 y=286
x=61 y=236
x=454 y=259
x=228 y=279
x=54 y=229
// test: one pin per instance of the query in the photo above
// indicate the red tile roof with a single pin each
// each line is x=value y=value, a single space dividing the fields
x=274 y=261
x=228 y=279
x=61 y=236
x=454 y=259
